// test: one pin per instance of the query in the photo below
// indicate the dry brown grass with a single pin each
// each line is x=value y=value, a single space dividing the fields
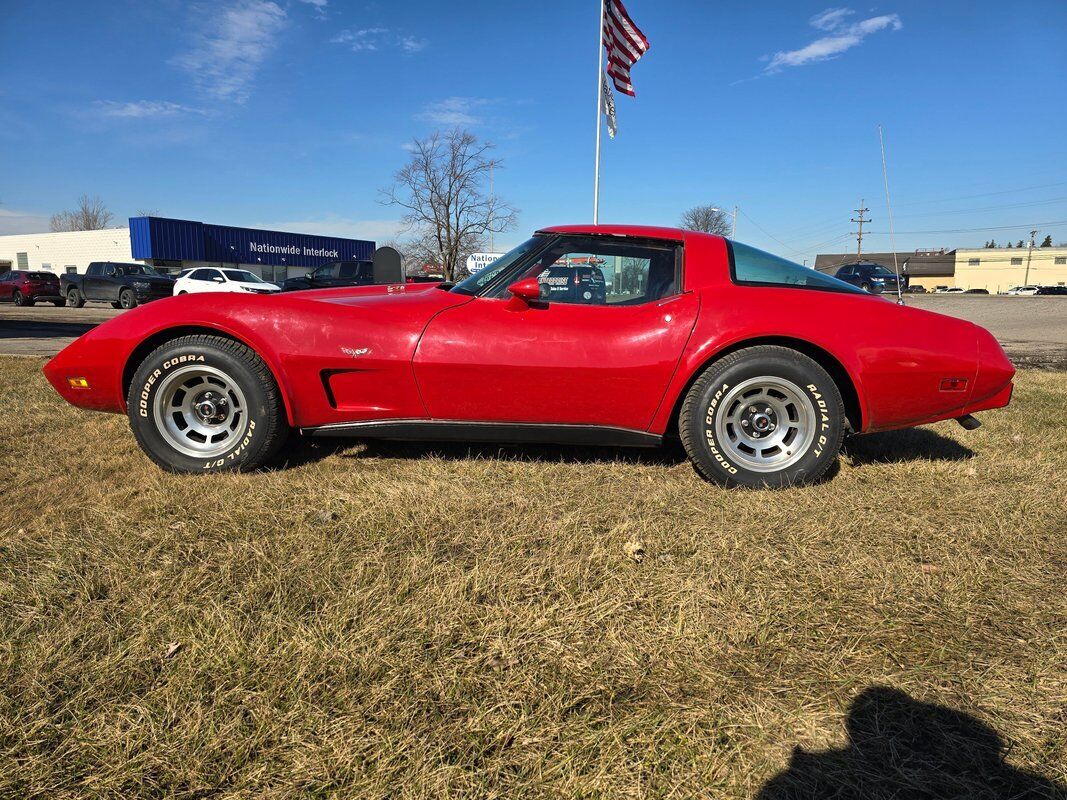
x=406 y=621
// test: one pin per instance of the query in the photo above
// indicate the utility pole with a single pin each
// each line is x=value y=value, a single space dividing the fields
x=859 y=233
x=1029 y=253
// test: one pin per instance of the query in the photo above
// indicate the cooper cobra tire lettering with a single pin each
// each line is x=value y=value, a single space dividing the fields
x=701 y=424
x=264 y=423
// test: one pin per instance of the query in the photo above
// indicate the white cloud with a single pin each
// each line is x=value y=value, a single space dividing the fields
x=12 y=221
x=830 y=19
x=377 y=230
x=844 y=37
x=319 y=6
x=144 y=109
x=227 y=54
x=454 y=111
x=369 y=39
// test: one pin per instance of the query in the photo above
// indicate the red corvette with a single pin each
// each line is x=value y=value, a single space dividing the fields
x=584 y=334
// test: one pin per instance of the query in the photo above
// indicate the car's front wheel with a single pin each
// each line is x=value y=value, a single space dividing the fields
x=764 y=416
x=206 y=404
x=127 y=299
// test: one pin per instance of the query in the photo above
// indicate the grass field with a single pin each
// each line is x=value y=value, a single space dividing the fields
x=407 y=621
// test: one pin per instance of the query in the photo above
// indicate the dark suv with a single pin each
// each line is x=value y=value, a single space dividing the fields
x=336 y=273
x=870 y=277
x=24 y=288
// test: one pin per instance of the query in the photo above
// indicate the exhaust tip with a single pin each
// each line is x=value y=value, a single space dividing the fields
x=969 y=422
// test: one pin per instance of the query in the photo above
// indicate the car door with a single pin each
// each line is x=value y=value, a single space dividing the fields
x=99 y=284
x=599 y=350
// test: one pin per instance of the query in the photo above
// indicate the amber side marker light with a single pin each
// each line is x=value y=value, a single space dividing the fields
x=78 y=383
x=954 y=385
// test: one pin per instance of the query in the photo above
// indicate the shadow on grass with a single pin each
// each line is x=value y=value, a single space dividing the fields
x=669 y=454
x=899 y=747
x=876 y=448
x=894 y=447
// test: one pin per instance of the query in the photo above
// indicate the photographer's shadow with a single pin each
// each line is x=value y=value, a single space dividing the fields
x=899 y=747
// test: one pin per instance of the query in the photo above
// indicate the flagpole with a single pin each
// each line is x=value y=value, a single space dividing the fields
x=599 y=111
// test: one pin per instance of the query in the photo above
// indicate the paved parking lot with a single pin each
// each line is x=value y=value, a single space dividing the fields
x=1033 y=330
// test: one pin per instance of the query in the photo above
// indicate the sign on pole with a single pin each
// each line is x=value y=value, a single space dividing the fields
x=476 y=262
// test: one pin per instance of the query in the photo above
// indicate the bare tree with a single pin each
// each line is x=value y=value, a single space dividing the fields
x=707 y=219
x=146 y=212
x=90 y=215
x=442 y=190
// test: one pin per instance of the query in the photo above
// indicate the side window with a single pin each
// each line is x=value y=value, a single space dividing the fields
x=751 y=266
x=213 y=275
x=328 y=271
x=94 y=269
x=109 y=270
x=599 y=271
x=198 y=275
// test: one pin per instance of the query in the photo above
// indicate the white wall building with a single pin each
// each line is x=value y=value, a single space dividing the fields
x=64 y=252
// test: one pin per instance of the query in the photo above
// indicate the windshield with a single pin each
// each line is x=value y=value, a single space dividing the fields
x=242 y=275
x=880 y=270
x=483 y=277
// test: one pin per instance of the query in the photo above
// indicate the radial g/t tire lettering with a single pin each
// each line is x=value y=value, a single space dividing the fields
x=764 y=416
x=206 y=404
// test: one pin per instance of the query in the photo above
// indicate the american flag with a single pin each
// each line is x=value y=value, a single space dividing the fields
x=624 y=42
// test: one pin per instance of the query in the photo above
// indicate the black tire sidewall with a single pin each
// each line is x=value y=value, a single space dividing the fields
x=249 y=451
x=74 y=299
x=132 y=301
x=818 y=389
x=18 y=298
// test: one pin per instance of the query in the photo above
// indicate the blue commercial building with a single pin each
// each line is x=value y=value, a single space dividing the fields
x=175 y=244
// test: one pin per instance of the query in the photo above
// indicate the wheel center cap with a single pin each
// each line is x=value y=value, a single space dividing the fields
x=761 y=422
x=211 y=408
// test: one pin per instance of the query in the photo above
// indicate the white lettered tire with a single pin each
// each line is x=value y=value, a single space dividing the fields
x=206 y=404
x=764 y=416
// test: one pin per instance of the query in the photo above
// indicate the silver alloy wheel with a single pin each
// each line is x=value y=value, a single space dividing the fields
x=200 y=411
x=765 y=424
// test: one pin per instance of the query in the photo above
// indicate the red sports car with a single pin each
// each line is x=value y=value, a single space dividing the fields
x=607 y=334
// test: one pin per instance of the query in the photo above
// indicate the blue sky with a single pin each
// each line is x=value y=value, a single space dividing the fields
x=293 y=113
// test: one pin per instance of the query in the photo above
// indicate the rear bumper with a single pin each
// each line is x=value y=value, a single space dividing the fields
x=46 y=295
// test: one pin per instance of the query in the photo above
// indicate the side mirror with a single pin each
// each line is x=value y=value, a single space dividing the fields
x=528 y=290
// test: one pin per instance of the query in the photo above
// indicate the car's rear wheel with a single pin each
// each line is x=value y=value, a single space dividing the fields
x=75 y=299
x=18 y=298
x=127 y=299
x=206 y=404
x=765 y=416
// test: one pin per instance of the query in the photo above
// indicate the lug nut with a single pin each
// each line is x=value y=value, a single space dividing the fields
x=744 y=422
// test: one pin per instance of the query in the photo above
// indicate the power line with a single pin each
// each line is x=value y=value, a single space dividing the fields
x=1021 y=225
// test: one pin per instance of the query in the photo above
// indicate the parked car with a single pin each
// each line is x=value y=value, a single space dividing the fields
x=915 y=288
x=950 y=290
x=759 y=364
x=336 y=273
x=24 y=287
x=122 y=285
x=1022 y=290
x=976 y=291
x=212 y=279
x=870 y=277
x=1044 y=290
